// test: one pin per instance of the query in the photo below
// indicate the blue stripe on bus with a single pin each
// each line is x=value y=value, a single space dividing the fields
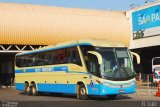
x=30 y=70
x=96 y=89
x=78 y=72
x=18 y=71
x=60 y=88
x=47 y=69
x=55 y=48
x=19 y=86
x=63 y=68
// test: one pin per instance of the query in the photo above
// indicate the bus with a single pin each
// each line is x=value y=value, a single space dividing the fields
x=81 y=67
x=156 y=69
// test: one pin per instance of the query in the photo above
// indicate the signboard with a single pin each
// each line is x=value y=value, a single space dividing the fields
x=146 y=22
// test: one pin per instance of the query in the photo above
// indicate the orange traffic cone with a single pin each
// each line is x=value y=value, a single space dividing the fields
x=158 y=92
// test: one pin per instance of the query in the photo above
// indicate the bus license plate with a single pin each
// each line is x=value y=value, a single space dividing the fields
x=121 y=91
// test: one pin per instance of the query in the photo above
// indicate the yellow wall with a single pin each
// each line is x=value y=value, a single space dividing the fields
x=44 y=25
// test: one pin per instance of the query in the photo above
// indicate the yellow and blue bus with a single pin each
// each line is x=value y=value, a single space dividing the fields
x=82 y=67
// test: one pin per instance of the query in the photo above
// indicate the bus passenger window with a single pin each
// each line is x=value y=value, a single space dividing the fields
x=24 y=62
x=68 y=56
x=40 y=59
x=75 y=58
x=31 y=60
x=50 y=59
x=64 y=55
x=61 y=58
x=46 y=59
x=55 y=55
x=19 y=61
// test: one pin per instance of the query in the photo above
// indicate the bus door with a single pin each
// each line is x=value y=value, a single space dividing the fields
x=92 y=65
x=93 y=69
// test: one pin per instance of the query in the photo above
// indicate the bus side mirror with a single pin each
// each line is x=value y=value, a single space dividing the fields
x=99 y=57
x=137 y=57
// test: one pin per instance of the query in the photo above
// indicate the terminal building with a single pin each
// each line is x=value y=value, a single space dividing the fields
x=145 y=35
x=27 y=27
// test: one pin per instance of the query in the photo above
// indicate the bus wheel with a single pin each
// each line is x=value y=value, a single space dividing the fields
x=34 y=90
x=82 y=92
x=27 y=90
x=111 y=97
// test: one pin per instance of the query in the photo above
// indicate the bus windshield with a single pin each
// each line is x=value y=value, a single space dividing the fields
x=116 y=64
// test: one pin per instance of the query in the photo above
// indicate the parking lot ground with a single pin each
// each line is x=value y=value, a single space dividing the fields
x=14 y=96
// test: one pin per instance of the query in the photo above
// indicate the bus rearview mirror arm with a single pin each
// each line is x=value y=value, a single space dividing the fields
x=137 y=57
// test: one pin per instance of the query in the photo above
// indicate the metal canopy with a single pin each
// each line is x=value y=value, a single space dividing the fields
x=18 y=48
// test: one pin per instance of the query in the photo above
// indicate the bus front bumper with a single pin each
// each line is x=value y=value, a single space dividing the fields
x=102 y=90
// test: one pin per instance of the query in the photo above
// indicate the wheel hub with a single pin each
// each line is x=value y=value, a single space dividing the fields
x=28 y=89
x=82 y=91
x=33 y=90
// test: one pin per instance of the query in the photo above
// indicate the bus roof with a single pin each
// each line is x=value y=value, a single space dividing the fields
x=89 y=42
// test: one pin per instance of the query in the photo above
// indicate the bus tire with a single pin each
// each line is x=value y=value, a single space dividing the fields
x=82 y=92
x=27 y=90
x=34 y=90
x=111 y=97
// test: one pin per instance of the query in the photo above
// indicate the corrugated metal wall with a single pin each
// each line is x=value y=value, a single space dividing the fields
x=44 y=25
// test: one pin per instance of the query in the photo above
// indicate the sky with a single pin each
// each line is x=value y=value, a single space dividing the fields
x=86 y=4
